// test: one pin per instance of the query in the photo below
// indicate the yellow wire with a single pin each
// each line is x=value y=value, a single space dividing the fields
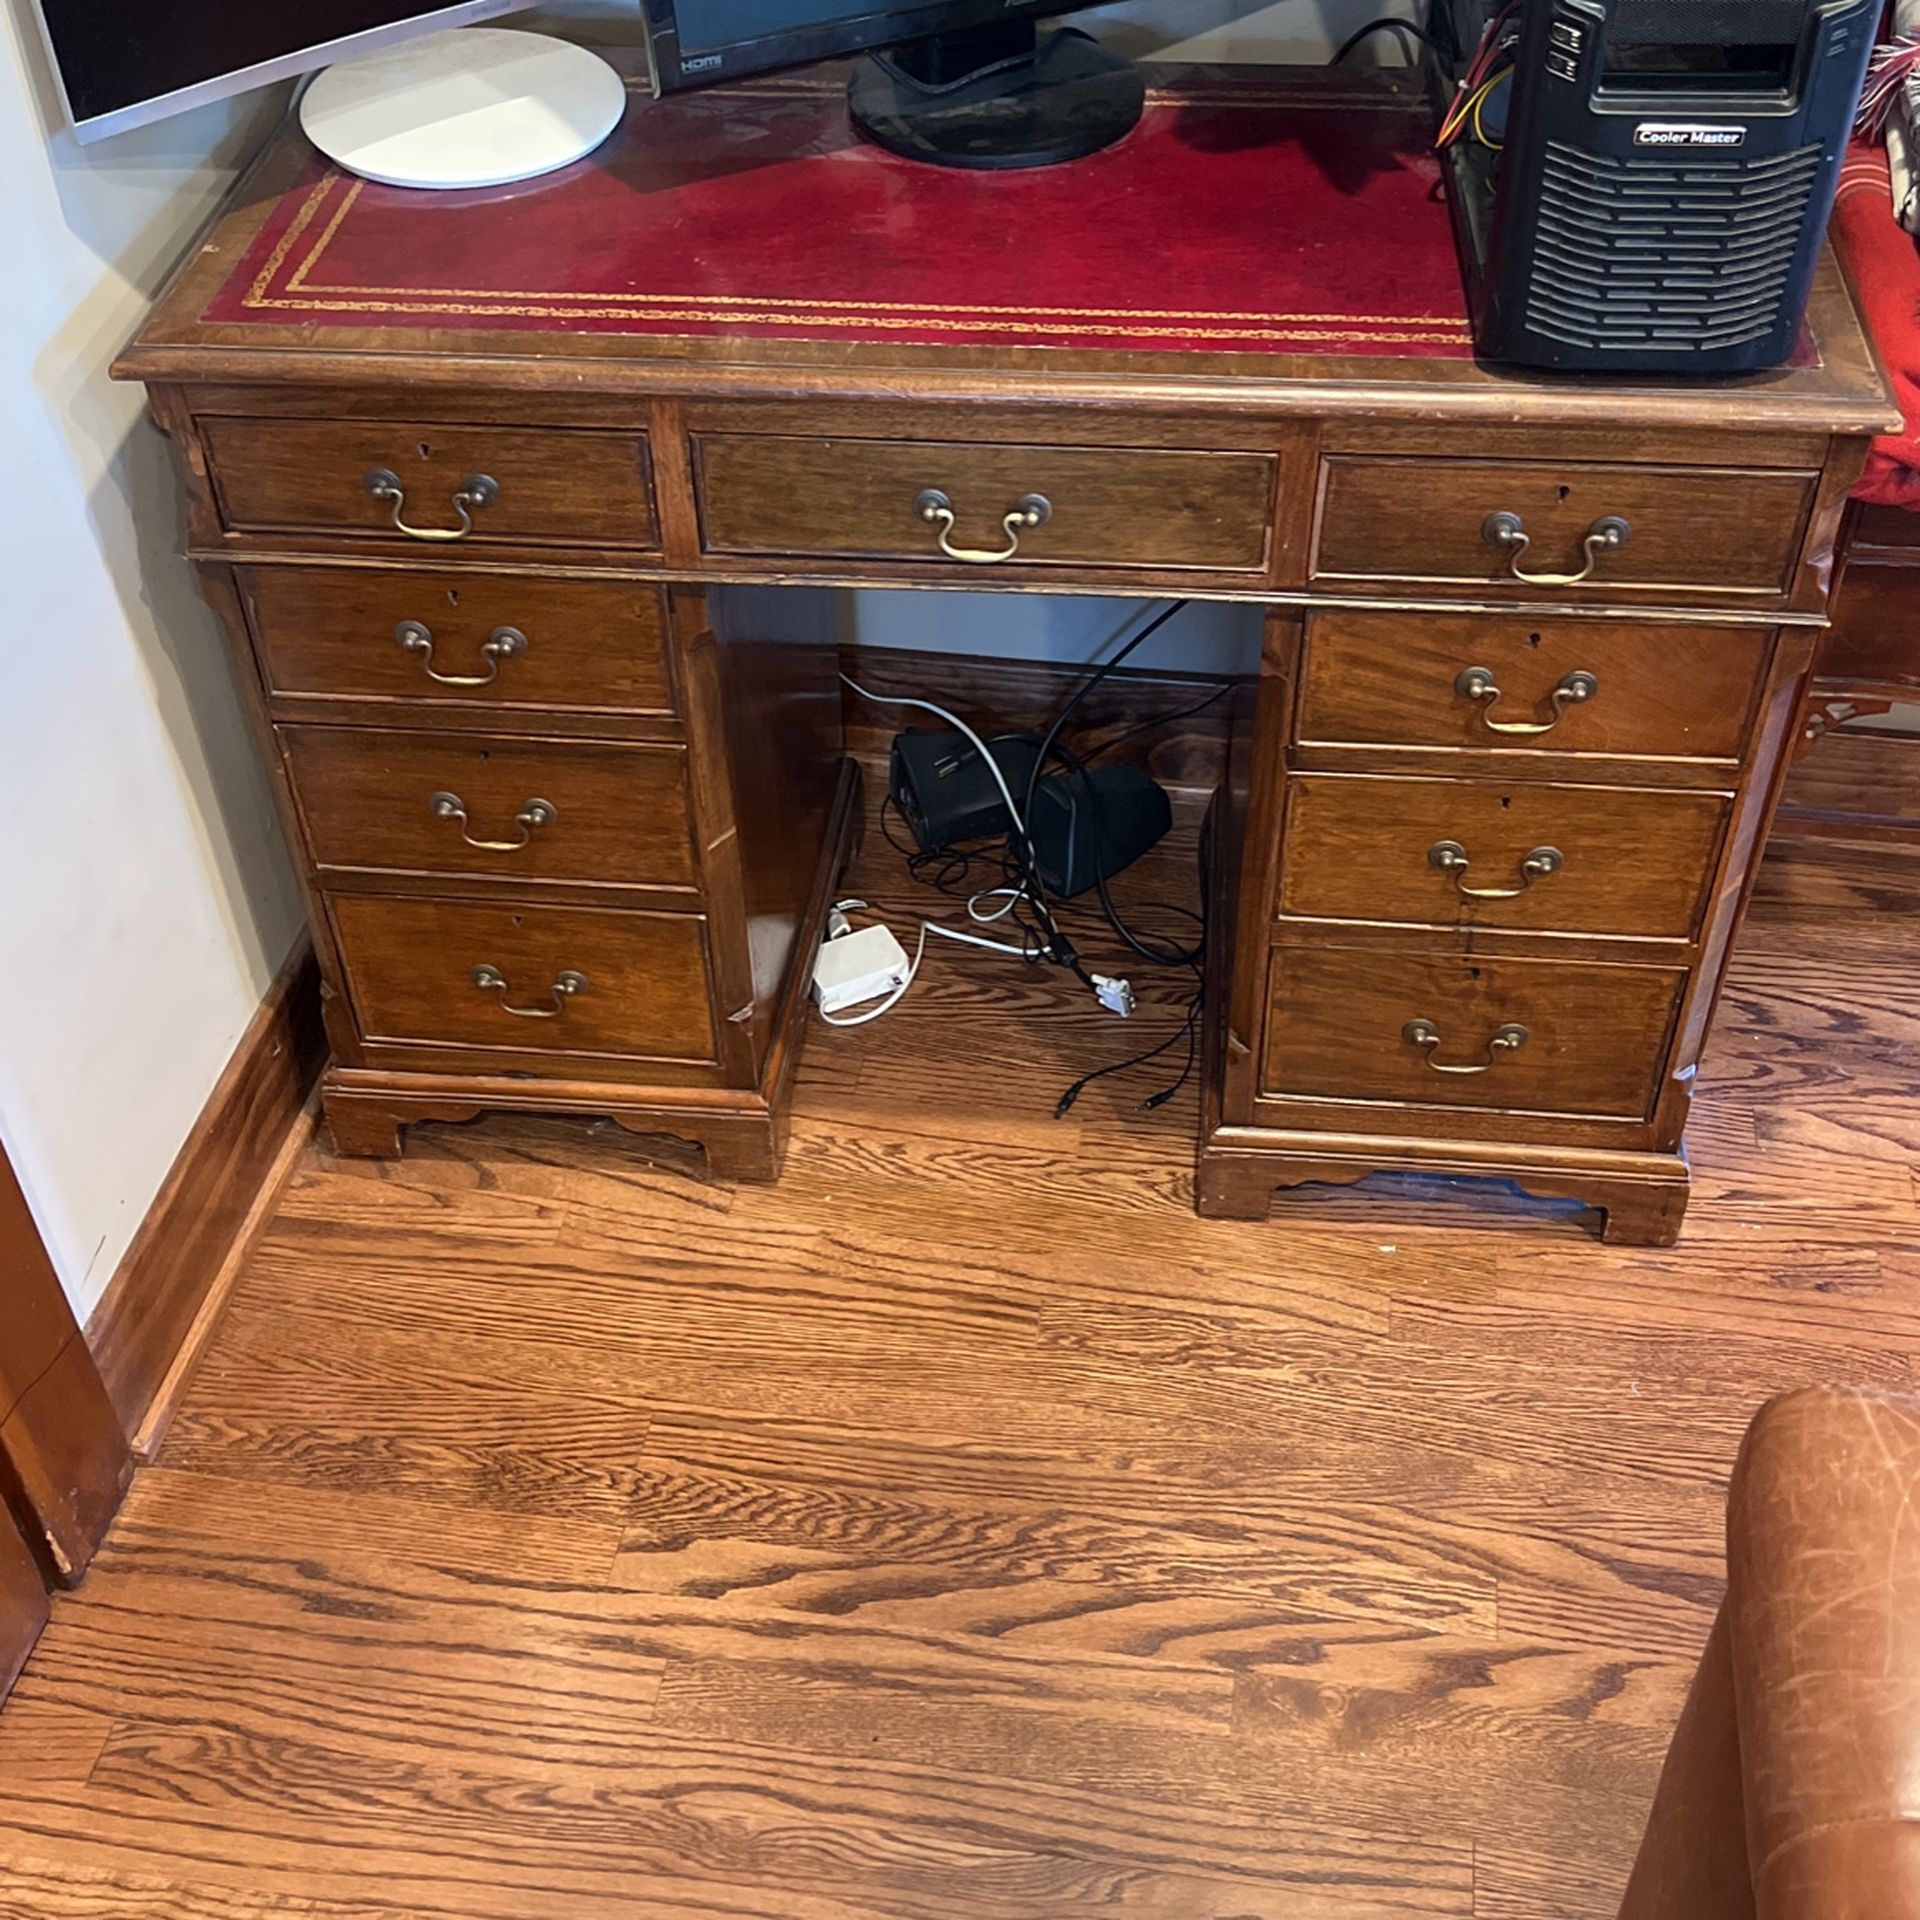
x=1450 y=126
x=1479 y=127
x=1469 y=110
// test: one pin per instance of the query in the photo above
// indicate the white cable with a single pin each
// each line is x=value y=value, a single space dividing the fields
x=953 y=720
x=976 y=940
x=844 y=907
x=1115 y=995
x=1012 y=896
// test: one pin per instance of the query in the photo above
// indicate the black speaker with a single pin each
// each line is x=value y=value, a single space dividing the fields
x=945 y=790
x=1666 y=178
x=1087 y=826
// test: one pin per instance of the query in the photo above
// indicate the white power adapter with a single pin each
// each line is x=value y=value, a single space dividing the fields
x=857 y=967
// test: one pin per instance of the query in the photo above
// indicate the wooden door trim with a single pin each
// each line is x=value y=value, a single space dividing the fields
x=23 y=1602
x=64 y=1462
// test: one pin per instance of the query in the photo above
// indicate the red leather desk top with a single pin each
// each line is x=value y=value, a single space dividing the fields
x=1255 y=216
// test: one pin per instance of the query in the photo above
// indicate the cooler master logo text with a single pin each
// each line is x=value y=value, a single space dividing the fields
x=1684 y=133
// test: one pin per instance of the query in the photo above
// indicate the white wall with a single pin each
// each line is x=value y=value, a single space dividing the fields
x=1069 y=628
x=145 y=900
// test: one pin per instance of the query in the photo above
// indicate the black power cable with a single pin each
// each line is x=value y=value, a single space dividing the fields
x=1170 y=955
x=1392 y=23
x=950 y=870
x=1159 y=720
x=962 y=872
x=1096 y=679
x=1189 y=1028
x=1054 y=944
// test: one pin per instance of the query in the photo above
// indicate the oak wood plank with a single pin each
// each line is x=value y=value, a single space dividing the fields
x=45 y=1740
x=174 y=1510
x=41 y=1886
x=798 y=1819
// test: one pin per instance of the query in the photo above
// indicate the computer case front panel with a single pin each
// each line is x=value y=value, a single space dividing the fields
x=1665 y=181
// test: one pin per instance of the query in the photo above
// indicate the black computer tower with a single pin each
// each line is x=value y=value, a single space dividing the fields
x=1668 y=168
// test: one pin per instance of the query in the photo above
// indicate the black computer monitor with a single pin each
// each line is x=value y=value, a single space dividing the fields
x=961 y=83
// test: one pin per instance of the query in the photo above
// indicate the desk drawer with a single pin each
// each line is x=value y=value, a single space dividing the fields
x=1443 y=853
x=520 y=809
x=547 y=980
x=1564 y=687
x=459 y=488
x=1421 y=1030
x=1122 y=507
x=462 y=639
x=1400 y=523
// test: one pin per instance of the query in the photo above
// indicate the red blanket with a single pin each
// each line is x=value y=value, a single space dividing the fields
x=1885 y=266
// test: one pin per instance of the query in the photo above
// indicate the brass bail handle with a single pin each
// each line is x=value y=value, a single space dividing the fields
x=477 y=490
x=1507 y=533
x=1029 y=511
x=504 y=643
x=533 y=816
x=1449 y=856
x=1479 y=684
x=1507 y=1040
x=566 y=986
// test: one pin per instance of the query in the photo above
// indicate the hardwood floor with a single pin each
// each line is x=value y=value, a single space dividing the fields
x=962 y=1530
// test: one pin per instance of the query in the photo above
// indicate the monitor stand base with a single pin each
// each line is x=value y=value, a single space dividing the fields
x=996 y=99
x=478 y=107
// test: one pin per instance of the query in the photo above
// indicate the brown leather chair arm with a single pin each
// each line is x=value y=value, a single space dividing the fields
x=1793 y=1788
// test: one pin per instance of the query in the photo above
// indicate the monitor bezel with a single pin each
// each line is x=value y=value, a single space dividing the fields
x=885 y=26
x=289 y=66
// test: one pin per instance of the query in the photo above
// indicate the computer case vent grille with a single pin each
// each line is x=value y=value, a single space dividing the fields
x=1683 y=255
x=1708 y=22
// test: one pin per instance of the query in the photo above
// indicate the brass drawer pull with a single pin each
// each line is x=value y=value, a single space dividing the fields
x=1424 y=1034
x=566 y=986
x=534 y=815
x=1478 y=684
x=504 y=643
x=477 y=490
x=1449 y=856
x=1029 y=511
x=1507 y=533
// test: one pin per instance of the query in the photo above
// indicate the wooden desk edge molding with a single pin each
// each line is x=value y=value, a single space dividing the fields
x=569 y=792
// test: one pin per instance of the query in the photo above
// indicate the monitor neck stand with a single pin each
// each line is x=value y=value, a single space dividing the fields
x=996 y=97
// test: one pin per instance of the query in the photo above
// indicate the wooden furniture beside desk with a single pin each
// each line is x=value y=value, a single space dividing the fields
x=1872 y=649
x=567 y=801
x=1859 y=779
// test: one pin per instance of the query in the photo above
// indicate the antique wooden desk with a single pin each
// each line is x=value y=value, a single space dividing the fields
x=478 y=483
